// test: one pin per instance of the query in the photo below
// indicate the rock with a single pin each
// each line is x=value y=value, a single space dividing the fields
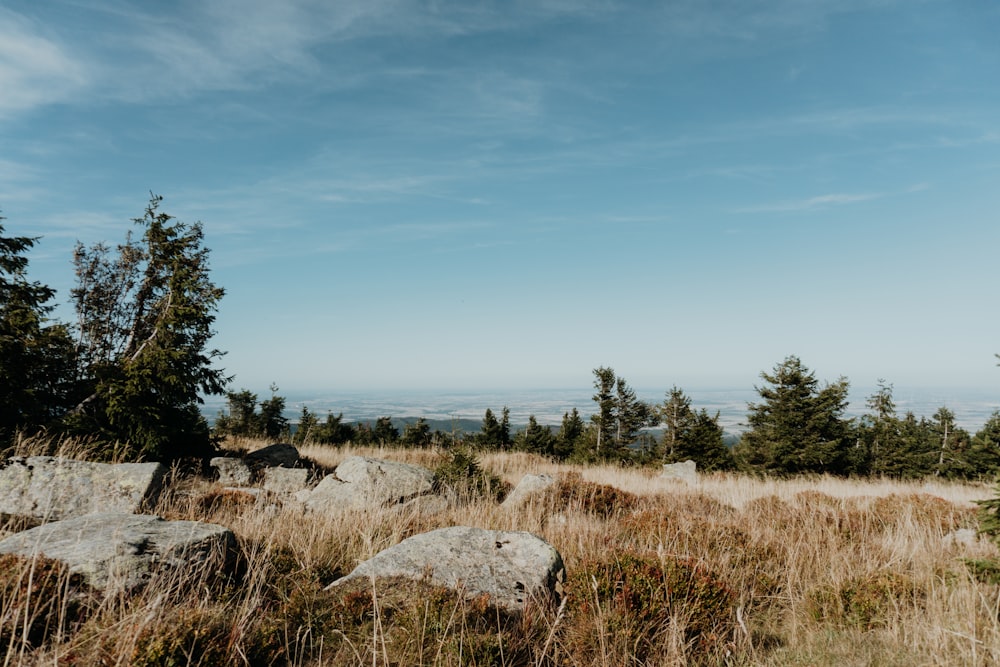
x=122 y=551
x=528 y=486
x=686 y=471
x=286 y=481
x=232 y=471
x=364 y=482
x=510 y=567
x=47 y=488
x=273 y=456
x=961 y=537
x=427 y=505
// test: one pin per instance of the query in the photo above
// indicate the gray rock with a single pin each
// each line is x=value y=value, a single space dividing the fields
x=123 y=551
x=232 y=471
x=47 y=488
x=364 y=482
x=528 y=486
x=280 y=455
x=961 y=537
x=511 y=567
x=286 y=481
x=686 y=471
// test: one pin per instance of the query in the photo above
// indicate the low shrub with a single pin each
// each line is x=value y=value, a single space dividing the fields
x=461 y=473
x=647 y=608
x=39 y=598
x=573 y=491
x=865 y=602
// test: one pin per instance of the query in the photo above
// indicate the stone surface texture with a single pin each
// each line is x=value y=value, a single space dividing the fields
x=231 y=471
x=528 y=486
x=686 y=471
x=122 y=551
x=363 y=482
x=286 y=481
x=47 y=488
x=280 y=455
x=510 y=567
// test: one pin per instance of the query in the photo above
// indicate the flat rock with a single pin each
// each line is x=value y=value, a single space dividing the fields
x=122 y=551
x=363 y=482
x=527 y=487
x=286 y=481
x=47 y=488
x=510 y=567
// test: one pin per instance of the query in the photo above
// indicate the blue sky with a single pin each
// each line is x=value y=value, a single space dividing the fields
x=448 y=195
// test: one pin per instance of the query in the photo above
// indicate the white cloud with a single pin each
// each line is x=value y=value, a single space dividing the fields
x=818 y=202
x=34 y=70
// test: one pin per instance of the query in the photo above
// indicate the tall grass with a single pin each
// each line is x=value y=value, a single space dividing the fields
x=730 y=570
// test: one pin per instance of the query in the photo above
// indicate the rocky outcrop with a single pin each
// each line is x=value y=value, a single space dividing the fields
x=363 y=482
x=46 y=488
x=231 y=471
x=512 y=568
x=250 y=469
x=686 y=471
x=530 y=485
x=280 y=455
x=123 y=551
x=286 y=481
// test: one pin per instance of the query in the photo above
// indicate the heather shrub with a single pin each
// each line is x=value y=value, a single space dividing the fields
x=39 y=598
x=866 y=601
x=648 y=609
x=573 y=492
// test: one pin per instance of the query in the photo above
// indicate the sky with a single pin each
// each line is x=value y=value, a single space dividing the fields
x=457 y=195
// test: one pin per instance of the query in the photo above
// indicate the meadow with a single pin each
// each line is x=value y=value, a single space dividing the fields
x=732 y=570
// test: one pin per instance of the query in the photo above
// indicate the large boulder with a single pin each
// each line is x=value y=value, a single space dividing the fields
x=232 y=471
x=363 y=482
x=510 y=567
x=123 y=551
x=280 y=455
x=530 y=485
x=46 y=488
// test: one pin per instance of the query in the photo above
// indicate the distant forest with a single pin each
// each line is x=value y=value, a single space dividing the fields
x=797 y=426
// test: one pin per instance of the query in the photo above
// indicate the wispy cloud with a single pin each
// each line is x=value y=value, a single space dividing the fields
x=34 y=69
x=812 y=203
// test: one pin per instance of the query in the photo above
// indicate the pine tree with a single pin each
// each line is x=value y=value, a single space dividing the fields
x=145 y=315
x=692 y=435
x=798 y=427
x=569 y=436
x=37 y=363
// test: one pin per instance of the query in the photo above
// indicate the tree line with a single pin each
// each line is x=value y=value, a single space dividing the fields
x=798 y=426
x=131 y=372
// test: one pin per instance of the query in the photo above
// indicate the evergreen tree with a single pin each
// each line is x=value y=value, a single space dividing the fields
x=242 y=420
x=984 y=451
x=692 y=435
x=619 y=419
x=335 y=431
x=569 y=436
x=495 y=433
x=385 y=433
x=306 y=428
x=878 y=434
x=417 y=435
x=605 y=418
x=37 y=364
x=798 y=427
x=273 y=423
x=953 y=445
x=145 y=316
x=536 y=438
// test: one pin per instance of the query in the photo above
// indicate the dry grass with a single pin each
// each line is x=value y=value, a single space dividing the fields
x=732 y=570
